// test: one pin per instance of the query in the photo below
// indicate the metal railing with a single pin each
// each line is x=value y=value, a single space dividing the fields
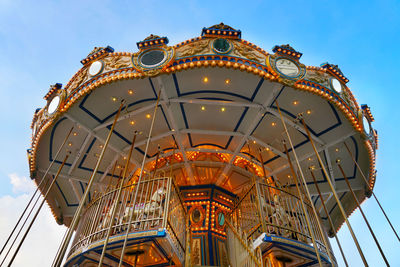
x=241 y=250
x=158 y=205
x=275 y=211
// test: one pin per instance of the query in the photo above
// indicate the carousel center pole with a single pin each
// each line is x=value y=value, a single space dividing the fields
x=328 y=178
x=64 y=244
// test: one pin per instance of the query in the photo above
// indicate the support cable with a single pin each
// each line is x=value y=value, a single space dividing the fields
x=23 y=225
x=366 y=182
x=306 y=188
x=114 y=209
x=334 y=193
x=303 y=207
x=38 y=210
x=139 y=180
x=329 y=217
x=37 y=188
x=75 y=220
x=362 y=213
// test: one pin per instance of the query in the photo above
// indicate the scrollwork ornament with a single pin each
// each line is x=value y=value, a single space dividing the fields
x=194 y=48
x=247 y=52
x=117 y=62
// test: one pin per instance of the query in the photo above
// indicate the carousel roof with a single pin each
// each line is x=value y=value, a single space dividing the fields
x=217 y=121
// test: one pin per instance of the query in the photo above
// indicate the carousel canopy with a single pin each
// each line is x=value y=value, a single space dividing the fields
x=217 y=120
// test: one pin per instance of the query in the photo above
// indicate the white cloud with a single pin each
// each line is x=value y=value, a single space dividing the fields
x=21 y=184
x=42 y=242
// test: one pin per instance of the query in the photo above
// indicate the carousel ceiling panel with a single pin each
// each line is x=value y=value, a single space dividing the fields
x=233 y=84
x=137 y=93
x=165 y=143
x=315 y=109
x=206 y=175
x=236 y=181
x=124 y=130
x=210 y=141
x=210 y=117
x=51 y=143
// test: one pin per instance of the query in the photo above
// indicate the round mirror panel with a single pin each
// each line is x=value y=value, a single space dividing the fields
x=95 y=68
x=337 y=86
x=196 y=216
x=152 y=58
x=221 y=45
x=367 y=127
x=287 y=67
x=221 y=219
x=53 y=105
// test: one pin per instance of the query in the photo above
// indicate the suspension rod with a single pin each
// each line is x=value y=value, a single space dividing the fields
x=366 y=183
x=362 y=213
x=303 y=207
x=139 y=179
x=40 y=207
x=23 y=225
x=37 y=188
x=304 y=182
x=334 y=193
x=79 y=210
x=329 y=217
x=114 y=209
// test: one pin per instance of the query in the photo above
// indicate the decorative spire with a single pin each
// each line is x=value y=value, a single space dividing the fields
x=96 y=52
x=53 y=89
x=367 y=112
x=334 y=70
x=151 y=41
x=287 y=50
x=221 y=30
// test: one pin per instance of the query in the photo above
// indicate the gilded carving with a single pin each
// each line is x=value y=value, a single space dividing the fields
x=248 y=52
x=320 y=78
x=116 y=62
x=78 y=79
x=347 y=98
x=195 y=48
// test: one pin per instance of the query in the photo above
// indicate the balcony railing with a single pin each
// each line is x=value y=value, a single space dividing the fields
x=158 y=206
x=276 y=211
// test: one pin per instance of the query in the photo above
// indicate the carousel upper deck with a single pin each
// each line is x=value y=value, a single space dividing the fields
x=214 y=111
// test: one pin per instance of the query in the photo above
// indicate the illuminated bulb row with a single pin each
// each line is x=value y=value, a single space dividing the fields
x=343 y=106
x=86 y=60
x=225 y=198
x=221 y=63
x=255 y=46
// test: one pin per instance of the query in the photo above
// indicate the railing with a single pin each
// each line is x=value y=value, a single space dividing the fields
x=276 y=211
x=240 y=248
x=158 y=206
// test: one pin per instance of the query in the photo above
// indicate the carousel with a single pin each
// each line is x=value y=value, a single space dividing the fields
x=209 y=152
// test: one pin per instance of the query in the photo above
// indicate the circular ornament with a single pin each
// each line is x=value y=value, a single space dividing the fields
x=287 y=67
x=152 y=58
x=95 y=68
x=54 y=104
x=221 y=219
x=336 y=85
x=221 y=46
x=196 y=216
x=367 y=126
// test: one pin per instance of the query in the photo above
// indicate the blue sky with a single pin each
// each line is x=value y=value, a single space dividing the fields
x=42 y=42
